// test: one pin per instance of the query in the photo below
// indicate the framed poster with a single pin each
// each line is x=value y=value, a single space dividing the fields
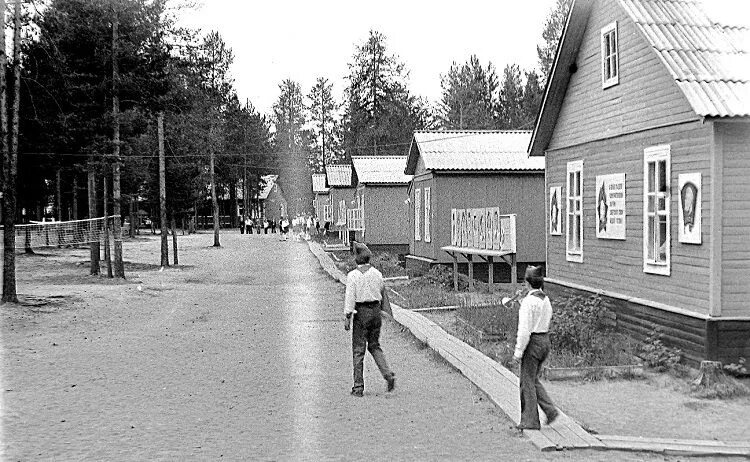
x=488 y=230
x=454 y=227
x=610 y=206
x=463 y=229
x=555 y=211
x=494 y=213
x=481 y=224
x=508 y=233
x=689 y=205
x=474 y=228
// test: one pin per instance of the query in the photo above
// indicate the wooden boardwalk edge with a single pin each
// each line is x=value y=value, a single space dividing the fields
x=497 y=382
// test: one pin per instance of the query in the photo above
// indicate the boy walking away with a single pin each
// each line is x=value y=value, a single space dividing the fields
x=362 y=307
x=532 y=348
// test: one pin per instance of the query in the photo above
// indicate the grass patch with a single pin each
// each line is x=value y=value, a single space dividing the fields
x=387 y=263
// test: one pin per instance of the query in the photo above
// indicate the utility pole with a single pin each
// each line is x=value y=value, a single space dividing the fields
x=116 y=229
x=162 y=191
x=323 y=125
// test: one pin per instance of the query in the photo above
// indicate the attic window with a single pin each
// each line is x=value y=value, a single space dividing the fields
x=610 y=57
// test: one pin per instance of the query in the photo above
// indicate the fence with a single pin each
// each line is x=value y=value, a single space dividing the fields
x=60 y=233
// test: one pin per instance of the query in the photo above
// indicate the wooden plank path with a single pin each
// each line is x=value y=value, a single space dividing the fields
x=501 y=386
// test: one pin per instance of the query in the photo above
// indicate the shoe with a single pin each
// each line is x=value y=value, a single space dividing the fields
x=358 y=393
x=391 y=382
x=552 y=417
x=522 y=428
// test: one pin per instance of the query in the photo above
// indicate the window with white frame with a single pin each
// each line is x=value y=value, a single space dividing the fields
x=417 y=202
x=574 y=242
x=656 y=219
x=427 y=214
x=610 y=56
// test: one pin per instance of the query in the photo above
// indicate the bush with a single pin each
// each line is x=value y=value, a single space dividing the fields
x=577 y=325
x=657 y=355
x=736 y=369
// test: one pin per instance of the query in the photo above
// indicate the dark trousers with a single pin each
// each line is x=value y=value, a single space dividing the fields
x=366 y=336
x=532 y=391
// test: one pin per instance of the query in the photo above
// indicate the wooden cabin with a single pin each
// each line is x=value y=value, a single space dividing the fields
x=645 y=128
x=342 y=196
x=321 y=193
x=467 y=171
x=271 y=198
x=381 y=195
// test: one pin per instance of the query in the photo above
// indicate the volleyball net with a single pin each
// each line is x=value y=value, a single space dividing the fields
x=63 y=233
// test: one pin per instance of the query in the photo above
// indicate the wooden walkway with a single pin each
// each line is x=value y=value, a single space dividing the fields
x=501 y=386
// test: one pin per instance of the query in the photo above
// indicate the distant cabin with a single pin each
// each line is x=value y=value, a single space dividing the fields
x=321 y=203
x=381 y=203
x=271 y=198
x=645 y=128
x=465 y=173
x=342 y=196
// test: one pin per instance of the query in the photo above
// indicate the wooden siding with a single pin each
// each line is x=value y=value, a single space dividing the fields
x=617 y=265
x=519 y=193
x=385 y=211
x=647 y=95
x=733 y=141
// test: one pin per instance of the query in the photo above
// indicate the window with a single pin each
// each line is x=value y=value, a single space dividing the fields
x=417 y=201
x=427 y=213
x=574 y=245
x=656 y=220
x=610 y=57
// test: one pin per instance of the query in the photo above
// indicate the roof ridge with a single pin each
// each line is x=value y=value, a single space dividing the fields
x=473 y=131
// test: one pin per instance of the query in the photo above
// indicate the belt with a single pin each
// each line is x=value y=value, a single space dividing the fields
x=539 y=333
x=372 y=302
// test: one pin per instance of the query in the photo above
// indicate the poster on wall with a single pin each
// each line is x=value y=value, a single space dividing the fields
x=481 y=223
x=454 y=227
x=494 y=214
x=555 y=211
x=610 y=206
x=490 y=236
x=689 y=224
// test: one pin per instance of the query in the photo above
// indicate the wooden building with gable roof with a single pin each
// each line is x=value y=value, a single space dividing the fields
x=381 y=197
x=645 y=127
x=469 y=170
x=342 y=182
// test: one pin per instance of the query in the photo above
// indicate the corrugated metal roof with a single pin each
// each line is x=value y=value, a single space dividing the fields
x=381 y=169
x=339 y=175
x=319 y=183
x=270 y=182
x=476 y=150
x=710 y=61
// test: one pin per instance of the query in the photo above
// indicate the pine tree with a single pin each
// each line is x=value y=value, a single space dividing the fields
x=553 y=29
x=289 y=142
x=325 y=139
x=469 y=96
x=380 y=114
x=509 y=111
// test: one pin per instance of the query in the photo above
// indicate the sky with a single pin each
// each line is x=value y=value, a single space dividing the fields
x=306 y=39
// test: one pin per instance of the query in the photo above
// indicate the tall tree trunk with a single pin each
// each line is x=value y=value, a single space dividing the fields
x=116 y=200
x=235 y=204
x=214 y=199
x=133 y=216
x=107 y=253
x=162 y=191
x=75 y=196
x=10 y=157
x=174 y=240
x=58 y=194
x=94 y=249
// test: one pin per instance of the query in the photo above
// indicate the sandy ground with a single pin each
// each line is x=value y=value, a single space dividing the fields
x=656 y=406
x=239 y=353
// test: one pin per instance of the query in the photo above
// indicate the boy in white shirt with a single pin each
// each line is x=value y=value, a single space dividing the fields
x=532 y=348
x=362 y=306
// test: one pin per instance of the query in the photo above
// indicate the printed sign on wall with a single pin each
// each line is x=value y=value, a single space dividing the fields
x=689 y=224
x=454 y=227
x=555 y=211
x=494 y=212
x=610 y=206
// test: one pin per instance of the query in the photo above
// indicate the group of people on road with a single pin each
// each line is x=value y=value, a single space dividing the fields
x=300 y=227
x=366 y=299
